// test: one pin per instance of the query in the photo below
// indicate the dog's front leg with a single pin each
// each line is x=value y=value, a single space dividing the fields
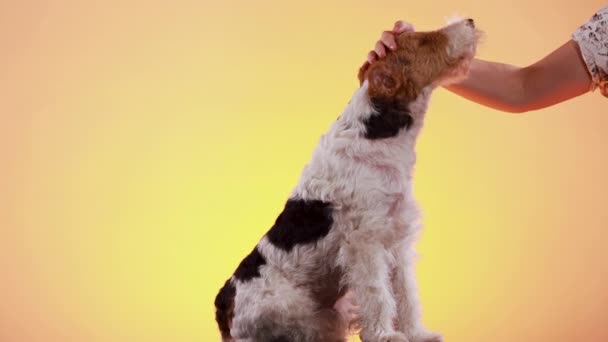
x=408 y=318
x=367 y=273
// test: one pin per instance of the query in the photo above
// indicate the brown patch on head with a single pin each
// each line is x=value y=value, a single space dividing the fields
x=420 y=60
x=384 y=79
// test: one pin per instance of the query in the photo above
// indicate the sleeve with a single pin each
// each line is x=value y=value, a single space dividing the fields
x=592 y=39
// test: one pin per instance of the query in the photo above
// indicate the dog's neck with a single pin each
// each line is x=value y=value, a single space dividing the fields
x=349 y=133
x=418 y=109
x=360 y=111
x=345 y=151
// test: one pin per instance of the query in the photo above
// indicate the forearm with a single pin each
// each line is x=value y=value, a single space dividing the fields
x=559 y=76
x=495 y=85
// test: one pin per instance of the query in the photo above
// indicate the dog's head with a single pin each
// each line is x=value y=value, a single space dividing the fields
x=423 y=59
x=406 y=76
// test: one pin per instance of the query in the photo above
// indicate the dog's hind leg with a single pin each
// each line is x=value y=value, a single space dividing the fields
x=276 y=310
x=408 y=320
x=323 y=325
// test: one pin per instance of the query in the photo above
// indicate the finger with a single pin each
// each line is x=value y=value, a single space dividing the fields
x=388 y=39
x=372 y=57
x=380 y=49
x=401 y=26
x=365 y=66
x=398 y=25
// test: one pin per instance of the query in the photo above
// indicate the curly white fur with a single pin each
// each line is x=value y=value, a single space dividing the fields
x=369 y=249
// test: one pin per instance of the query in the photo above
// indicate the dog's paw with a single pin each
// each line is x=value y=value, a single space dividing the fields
x=387 y=337
x=426 y=336
x=347 y=305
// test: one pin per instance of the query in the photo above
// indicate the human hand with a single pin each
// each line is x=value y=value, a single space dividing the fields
x=387 y=41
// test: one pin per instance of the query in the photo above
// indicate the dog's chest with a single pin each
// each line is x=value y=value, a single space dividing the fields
x=384 y=173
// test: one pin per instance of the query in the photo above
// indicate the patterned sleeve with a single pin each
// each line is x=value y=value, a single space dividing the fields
x=592 y=38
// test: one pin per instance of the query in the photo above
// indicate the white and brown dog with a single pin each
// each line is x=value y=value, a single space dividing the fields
x=350 y=223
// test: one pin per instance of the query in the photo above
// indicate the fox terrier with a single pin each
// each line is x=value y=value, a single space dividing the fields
x=349 y=225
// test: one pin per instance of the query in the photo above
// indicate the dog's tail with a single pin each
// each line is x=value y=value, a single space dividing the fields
x=224 y=309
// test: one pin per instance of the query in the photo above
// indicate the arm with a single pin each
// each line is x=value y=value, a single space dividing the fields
x=559 y=76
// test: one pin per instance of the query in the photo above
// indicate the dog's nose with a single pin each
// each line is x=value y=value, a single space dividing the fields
x=471 y=22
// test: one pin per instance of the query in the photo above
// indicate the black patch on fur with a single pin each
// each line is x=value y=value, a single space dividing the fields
x=249 y=268
x=392 y=116
x=301 y=222
x=224 y=308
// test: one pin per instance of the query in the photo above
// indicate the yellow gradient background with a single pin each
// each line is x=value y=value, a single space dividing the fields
x=146 y=146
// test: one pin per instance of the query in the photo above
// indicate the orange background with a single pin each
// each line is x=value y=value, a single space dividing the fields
x=146 y=146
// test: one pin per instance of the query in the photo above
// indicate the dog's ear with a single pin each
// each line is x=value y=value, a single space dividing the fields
x=362 y=72
x=385 y=80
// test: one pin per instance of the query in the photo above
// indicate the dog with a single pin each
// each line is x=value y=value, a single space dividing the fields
x=350 y=223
